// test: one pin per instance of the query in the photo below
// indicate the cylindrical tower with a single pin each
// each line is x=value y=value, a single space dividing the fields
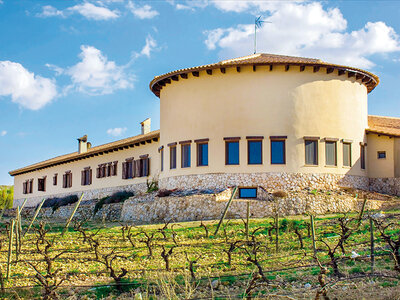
x=289 y=117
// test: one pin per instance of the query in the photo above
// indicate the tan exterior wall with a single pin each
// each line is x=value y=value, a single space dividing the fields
x=384 y=167
x=268 y=103
x=396 y=157
x=93 y=162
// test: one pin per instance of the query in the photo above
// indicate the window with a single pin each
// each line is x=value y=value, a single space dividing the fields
x=202 y=154
x=247 y=193
x=27 y=186
x=347 y=154
x=114 y=168
x=330 y=153
x=172 y=157
x=86 y=176
x=107 y=169
x=55 y=179
x=278 y=151
x=127 y=168
x=162 y=158
x=185 y=156
x=254 y=152
x=67 y=179
x=232 y=152
x=142 y=166
x=381 y=154
x=42 y=184
x=362 y=156
x=311 y=149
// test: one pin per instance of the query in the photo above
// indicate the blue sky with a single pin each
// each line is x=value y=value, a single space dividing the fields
x=69 y=68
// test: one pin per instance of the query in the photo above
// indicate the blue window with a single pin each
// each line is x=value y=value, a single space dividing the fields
x=254 y=152
x=232 y=153
x=247 y=193
x=381 y=154
x=202 y=154
x=278 y=155
x=186 y=156
x=162 y=159
x=172 y=157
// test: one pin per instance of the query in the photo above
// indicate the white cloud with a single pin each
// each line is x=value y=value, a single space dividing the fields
x=183 y=7
x=303 y=29
x=91 y=11
x=3 y=132
x=142 y=12
x=116 y=131
x=50 y=11
x=96 y=75
x=25 y=88
x=149 y=47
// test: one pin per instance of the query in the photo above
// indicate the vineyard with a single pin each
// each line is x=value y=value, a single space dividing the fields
x=336 y=256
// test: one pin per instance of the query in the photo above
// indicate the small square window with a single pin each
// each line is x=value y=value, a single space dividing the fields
x=247 y=193
x=381 y=154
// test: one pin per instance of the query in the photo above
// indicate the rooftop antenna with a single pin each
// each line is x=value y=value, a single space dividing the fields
x=257 y=24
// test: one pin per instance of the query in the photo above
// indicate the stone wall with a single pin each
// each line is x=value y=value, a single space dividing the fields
x=109 y=212
x=152 y=209
x=89 y=195
x=276 y=181
x=390 y=186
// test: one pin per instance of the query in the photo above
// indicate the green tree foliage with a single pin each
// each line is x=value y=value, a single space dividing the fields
x=6 y=196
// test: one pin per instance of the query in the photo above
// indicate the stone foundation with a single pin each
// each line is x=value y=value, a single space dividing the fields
x=275 y=181
x=89 y=195
x=152 y=209
x=390 y=186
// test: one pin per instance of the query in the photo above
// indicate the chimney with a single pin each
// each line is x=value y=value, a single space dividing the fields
x=146 y=126
x=83 y=144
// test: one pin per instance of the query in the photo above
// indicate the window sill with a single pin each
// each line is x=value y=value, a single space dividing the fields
x=202 y=165
x=314 y=166
x=346 y=167
x=279 y=164
x=254 y=164
x=330 y=166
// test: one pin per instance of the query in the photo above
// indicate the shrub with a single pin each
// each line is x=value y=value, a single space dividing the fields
x=117 y=197
x=55 y=203
x=152 y=186
x=6 y=196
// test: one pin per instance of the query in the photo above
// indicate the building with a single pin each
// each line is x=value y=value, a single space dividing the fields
x=261 y=120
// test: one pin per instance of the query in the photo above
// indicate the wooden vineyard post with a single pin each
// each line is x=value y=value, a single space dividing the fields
x=35 y=216
x=313 y=234
x=371 y=229
x=23 y=204
x=12 y=225
x=226 y=210
x=72 y=215
x=247 y=219
x=277 y=232
x=362 y=210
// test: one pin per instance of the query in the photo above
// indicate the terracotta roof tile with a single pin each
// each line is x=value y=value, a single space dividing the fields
x=384 y=125
x=94 y=150
x=266 y=59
